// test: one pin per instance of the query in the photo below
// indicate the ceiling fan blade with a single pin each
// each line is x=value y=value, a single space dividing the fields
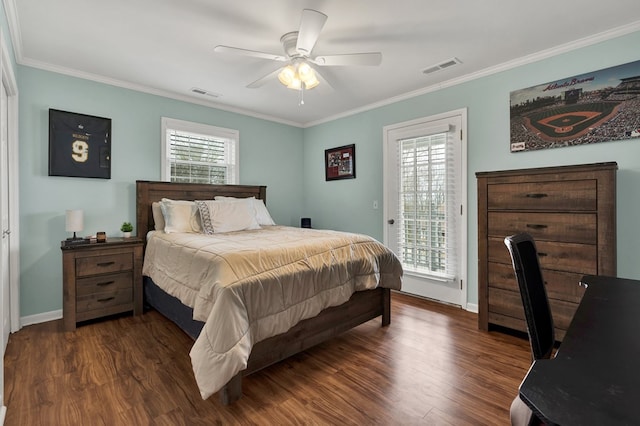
x=245 y=52
x=310 y=26
x=325 y=84
x=373 y=58
x=262 y=80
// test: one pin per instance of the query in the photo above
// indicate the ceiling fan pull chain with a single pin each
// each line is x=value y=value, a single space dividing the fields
x=301 y=94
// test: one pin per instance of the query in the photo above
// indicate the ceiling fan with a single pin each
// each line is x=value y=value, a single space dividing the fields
x=300 y=73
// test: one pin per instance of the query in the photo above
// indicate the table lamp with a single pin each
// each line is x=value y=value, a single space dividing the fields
x=74 y=222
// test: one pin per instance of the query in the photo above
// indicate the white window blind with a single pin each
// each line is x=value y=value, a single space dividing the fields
x=198 y=153
x=427 y=209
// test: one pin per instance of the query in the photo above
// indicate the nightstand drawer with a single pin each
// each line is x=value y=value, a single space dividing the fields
x=103 y=283
x=101 y=301
x=104 y=264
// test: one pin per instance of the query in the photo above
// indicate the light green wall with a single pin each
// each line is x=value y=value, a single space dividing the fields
x=347 y=205
x=266 y=153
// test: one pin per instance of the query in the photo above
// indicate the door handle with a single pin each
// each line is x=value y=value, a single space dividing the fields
x=391 y=221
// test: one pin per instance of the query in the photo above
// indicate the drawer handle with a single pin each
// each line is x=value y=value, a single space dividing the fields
x=536 y=195
x=102 y=284
x=541 y=254
x=106 y=299
x=535 y=226
x=106 y=263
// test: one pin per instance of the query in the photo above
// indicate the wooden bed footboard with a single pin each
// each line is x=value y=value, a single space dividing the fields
x=362 y=307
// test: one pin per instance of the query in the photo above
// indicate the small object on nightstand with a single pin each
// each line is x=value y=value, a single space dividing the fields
x=74 y=222
x=126 y=229
x=69 y=242
x=101 y=237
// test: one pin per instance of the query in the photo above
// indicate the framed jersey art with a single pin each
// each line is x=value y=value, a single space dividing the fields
x=79 y=145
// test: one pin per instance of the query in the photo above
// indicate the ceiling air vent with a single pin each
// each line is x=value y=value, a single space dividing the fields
x=442 y=65
x=205 y=92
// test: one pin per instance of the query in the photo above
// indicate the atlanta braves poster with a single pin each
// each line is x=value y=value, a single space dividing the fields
x=595 y=107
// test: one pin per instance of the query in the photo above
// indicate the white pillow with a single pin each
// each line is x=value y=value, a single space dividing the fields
x=221 y=216
x=158 y=218
x=262 y=214
x=180 y=216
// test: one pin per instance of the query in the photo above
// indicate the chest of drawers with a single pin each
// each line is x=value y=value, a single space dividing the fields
x=570 y=212
x=101 y=279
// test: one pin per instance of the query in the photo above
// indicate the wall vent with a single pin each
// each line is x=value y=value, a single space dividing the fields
x=205 y=92
x=442 y=65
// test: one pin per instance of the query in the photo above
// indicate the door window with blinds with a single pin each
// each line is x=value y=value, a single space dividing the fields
x=425 y=219
x=199 y=153
x=424 y=193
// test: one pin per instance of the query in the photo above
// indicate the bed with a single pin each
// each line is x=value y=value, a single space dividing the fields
x=369 y=297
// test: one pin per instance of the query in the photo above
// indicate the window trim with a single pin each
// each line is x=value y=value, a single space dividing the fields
x=205 y=129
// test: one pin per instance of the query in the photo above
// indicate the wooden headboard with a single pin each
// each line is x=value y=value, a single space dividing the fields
x=148 y=192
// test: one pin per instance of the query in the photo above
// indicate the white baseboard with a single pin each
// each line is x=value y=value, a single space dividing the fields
x=39 y=318
x=472 y=307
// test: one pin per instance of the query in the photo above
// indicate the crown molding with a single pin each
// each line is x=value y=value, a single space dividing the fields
x=11 y=11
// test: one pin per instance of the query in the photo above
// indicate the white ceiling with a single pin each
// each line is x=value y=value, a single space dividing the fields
x=166 y=46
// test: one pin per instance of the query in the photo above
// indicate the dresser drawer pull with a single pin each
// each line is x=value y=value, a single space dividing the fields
x=541 y=254
x=106 y=264
x=535 y=226
x=102 y=284
x=106 y=299
x=536 y=195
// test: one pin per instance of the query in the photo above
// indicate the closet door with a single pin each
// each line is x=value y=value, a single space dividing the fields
x=4 y=219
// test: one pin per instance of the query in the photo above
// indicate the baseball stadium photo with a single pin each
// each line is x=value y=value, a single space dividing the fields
x=596 y=107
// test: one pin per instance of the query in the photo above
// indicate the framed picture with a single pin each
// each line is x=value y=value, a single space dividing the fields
x=79 y=145
x=340 y=163
x=598 y=106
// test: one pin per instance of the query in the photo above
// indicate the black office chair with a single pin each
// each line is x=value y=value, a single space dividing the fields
x=537 y=312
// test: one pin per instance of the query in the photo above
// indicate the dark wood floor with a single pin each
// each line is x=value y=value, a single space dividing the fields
x=430 y=366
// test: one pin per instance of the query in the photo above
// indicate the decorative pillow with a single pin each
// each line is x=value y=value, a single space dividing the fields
x=262 y=214
x=180 y=216
x=158 y=218
x=219 y=216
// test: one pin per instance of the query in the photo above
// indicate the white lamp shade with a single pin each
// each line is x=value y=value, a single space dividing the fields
x=74 y=220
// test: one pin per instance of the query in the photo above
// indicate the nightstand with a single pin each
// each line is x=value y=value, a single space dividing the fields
x=101 y=279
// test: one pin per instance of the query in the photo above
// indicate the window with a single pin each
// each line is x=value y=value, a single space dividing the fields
x=423 y=200
x=199 y=153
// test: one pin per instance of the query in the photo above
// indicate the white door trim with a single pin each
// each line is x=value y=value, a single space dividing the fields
x=462 y=113
x=11 y=85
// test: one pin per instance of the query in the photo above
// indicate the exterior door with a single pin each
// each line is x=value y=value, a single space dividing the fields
x=425 y=191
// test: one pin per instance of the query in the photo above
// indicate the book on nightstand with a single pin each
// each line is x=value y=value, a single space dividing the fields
x=75 y=242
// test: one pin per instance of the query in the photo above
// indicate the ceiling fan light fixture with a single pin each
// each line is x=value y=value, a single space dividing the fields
x=307 y=75
x=287 y=75
x=295 y=84
x=311 y=81
x=294 y=75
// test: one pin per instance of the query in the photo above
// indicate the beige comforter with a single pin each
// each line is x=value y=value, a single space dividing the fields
x=250 y=285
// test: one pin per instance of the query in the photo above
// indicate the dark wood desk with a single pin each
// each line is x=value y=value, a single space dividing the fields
x=595 y=377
